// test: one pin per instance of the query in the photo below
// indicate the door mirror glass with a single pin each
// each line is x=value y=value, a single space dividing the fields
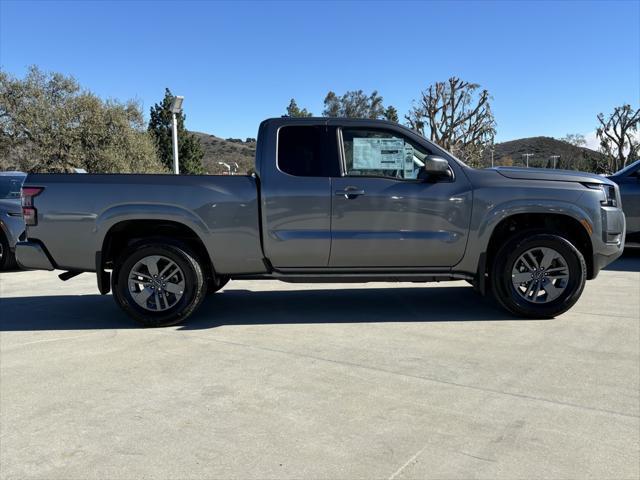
x=435 y=168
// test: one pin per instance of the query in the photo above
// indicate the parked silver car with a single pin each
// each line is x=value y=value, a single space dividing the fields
x=11 y=222
x=628 y=179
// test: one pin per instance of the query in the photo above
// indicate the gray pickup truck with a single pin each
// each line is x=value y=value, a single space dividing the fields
x=332 y=200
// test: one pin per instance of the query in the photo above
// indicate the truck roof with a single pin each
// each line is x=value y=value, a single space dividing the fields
x=333 y=120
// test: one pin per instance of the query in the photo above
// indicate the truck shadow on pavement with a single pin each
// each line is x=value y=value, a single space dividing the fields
x=628 y=262
x=243 y=307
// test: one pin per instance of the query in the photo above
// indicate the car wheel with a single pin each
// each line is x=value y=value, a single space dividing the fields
x=7 y=258
x=538 y=275
x=217 y=283
x=158 y=284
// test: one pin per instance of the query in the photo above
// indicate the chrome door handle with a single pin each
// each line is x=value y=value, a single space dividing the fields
x=350 y=192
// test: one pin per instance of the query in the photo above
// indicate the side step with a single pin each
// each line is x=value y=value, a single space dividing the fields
x=356 y=277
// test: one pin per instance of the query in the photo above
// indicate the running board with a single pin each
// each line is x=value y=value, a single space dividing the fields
x=356 y=277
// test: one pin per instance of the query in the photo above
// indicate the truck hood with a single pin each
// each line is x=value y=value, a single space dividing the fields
x=10 y=205
x=548 y=174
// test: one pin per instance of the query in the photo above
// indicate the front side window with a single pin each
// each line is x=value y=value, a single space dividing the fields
x=381 y=153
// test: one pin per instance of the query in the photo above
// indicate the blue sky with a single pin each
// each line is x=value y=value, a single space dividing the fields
x=550 y=66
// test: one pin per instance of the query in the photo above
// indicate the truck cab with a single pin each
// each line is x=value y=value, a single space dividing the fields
x=353 y=194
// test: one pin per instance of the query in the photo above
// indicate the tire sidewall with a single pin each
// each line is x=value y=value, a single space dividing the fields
x=6 y=261
x=506 y=292
x=177 y=312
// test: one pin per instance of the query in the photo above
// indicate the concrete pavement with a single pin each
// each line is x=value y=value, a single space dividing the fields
x=274 y=380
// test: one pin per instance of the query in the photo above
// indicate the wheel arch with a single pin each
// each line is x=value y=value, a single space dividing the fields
x=559 y=223
x=126 y=233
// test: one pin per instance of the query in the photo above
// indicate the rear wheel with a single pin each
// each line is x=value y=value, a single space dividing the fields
x=158 y=284
x=538 y=275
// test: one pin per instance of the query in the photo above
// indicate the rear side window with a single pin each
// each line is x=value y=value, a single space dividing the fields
x=308 y=151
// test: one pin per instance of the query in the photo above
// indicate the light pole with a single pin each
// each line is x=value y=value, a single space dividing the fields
x=527 y=155
x=176 y=108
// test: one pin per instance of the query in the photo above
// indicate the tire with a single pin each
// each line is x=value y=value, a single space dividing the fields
x=7 y=257
x=156 y=302
x=547 y=289
x=217 y=284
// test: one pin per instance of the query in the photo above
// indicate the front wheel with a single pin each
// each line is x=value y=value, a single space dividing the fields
x=7 y=258
x=158 y=285
x=538 y=275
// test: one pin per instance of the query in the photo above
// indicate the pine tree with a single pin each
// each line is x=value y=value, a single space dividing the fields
x=391 y=114
x=189 y=149
x=294 y=111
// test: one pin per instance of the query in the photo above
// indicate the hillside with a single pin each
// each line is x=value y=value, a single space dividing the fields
x=220 y=150
x=571 y=157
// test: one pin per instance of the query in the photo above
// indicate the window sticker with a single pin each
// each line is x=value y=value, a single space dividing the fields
x=380 y=154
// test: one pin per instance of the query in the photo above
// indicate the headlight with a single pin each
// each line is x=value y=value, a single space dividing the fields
x=608 y=193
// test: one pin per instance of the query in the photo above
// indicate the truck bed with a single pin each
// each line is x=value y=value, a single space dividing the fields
x=76 y=211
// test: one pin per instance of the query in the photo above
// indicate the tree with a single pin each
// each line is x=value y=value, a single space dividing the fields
x=48 y=123
x=356 y=104
x=575 y=139
x=189 y=149
x=617 y=135
x=331 y=105
x=458 y=115
x=391 y=114
x=294 y=111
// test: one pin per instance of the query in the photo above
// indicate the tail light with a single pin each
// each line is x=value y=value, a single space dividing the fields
x=29 y=212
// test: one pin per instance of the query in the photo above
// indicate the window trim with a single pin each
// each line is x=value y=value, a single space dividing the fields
x=343 y=158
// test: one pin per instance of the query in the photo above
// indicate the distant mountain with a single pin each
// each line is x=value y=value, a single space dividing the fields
x=229 y=151
x=543 y=148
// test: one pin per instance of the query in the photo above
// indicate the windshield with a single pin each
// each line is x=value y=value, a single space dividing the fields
x=10 y=186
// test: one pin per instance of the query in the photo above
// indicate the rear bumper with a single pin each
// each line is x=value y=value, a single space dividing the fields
x=33 y=256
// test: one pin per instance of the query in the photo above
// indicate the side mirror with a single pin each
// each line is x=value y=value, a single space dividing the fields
x=435 y=168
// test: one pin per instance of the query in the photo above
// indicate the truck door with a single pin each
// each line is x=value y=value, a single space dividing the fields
x=382 y=216
x=296 y=196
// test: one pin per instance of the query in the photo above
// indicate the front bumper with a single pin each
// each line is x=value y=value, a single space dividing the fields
x=610 y=245
x=33 y=256
x=12 y=226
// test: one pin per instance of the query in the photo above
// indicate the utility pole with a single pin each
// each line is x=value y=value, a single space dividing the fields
x=492 y=158
x=554 y=158
x=527 y=156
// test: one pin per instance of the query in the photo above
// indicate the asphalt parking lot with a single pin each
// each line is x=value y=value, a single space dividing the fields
x=274 y=380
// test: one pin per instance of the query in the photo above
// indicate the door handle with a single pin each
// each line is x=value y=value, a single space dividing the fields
x=350 y=192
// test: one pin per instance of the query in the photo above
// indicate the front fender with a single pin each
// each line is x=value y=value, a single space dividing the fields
x=497 y=213
x=488 y=215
